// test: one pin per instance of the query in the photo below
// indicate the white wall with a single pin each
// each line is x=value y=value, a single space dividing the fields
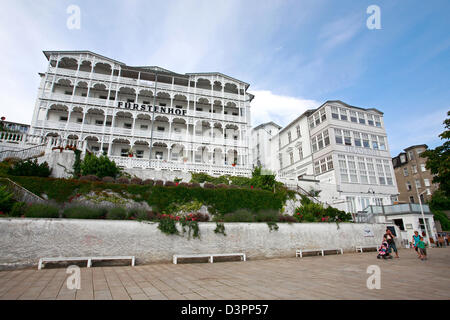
x=24 y=241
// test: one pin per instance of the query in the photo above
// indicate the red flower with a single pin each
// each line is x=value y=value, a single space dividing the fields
x=298 y=213
x=177 y=184
x=1 y=213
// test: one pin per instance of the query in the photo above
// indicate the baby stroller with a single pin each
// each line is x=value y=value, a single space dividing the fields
x=383 y=252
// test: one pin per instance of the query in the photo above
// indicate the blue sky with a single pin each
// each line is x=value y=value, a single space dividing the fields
x=295 y=54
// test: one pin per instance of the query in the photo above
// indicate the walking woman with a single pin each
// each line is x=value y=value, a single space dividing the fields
x=416 y=240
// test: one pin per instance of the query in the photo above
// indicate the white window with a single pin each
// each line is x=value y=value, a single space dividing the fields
x=338 y=136
x=414 y=169
x=418 y=185
x=405 y=172
x=323 y=115
x=317 y=167
x=357 y=139
x=362 y=170
x=291 y=155
x=326 y=138
x=353 y=117
x=378 y=201
x=330 y=162
x=408 y=186
x=423 y=167
x=343 y=113
x=343 y=168
x=334 y=113
x=361 y=118
x=299 y=133
x=289 y=137
x=140 y=154
x=366 y=142
x=426 y=182
x=382 y=143
x=124 y=152
x=378 y=121
x=300 y=152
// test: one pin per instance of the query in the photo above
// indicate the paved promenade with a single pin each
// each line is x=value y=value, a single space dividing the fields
x=315 y=277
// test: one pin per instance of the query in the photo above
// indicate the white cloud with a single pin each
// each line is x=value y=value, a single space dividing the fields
x=268 y=106
x=340 y=31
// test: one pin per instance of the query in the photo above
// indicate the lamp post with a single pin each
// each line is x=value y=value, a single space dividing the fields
x=423 y=215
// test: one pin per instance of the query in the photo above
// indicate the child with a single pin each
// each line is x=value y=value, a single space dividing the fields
x=383 y=252
x=422 y=250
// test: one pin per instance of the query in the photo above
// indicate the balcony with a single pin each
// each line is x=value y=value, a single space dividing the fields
x=180 y=165
x=145 y=83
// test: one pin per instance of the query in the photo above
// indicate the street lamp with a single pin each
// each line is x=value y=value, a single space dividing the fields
x=423 y=215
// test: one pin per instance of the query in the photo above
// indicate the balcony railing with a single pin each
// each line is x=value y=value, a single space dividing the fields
x=145 y=134
x=111 y=103
x=128 y=162
x=147 y=83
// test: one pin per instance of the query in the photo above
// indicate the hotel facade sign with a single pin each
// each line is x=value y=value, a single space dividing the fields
x=149 y=108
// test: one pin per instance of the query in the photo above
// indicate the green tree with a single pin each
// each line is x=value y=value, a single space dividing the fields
x=99 y=166
x=438 y=160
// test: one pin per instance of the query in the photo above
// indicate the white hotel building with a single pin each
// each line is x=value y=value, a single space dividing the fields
x=339 y=149
x=200 y=121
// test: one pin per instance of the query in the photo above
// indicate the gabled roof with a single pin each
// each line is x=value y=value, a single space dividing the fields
x=417 y=146
x=266 y=124
x=350 y=106
x=145 y=68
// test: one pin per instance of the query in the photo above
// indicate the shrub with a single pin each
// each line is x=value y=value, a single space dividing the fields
x=168 y=226
x=222 y=185
x=159 y=183
x=241 y=215
x=18 y=209
x=184 y=184
x=203 y=177
x=83 y=212
x=170 y=184
x=108 y=179
x=209 y=186
x=116 y=213
x=194 y=185
x=41 y=211
x=99 y=166
x=30 y=169
x=89 y=178
x=122 y=180
x=136 y=181
x=137 y=214
x=266 y=216
x=149 y=182
x=6 y=200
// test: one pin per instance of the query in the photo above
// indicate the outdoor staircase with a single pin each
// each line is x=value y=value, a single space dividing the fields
x=24 y=154
x=20 y=193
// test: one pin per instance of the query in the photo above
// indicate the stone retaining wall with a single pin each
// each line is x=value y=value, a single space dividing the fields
x=24 y=241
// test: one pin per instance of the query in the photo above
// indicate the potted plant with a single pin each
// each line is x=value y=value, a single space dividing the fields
x=130 y=153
